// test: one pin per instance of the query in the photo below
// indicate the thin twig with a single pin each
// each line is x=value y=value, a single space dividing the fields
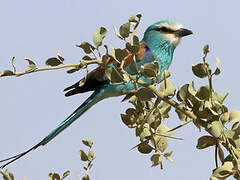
x=134 y=32
x=78 y=65
x=216 y=160
x=5 y=174
x=173 y=137
x=173 y=129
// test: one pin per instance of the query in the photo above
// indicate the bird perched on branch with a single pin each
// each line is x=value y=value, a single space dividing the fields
x=158 y=44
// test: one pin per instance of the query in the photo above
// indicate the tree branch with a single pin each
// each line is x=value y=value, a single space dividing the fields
x=80 y=65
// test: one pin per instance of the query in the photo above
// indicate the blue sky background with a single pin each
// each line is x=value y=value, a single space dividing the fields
x=32 y=105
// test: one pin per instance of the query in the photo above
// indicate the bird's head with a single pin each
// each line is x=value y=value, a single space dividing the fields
x=166 y=31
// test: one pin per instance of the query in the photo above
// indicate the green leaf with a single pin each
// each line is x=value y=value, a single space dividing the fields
x=187 y=94
x=150 y=70
x=199 y=123
x=131 y=111
x=120 y=54
x=60 y=56
x=218 y=97
x=145 y=132
x=87 y=47
x=132 y=18
x=167 y=88
x=86 y=177
x=206 y=49
x=133 y=67
x=132 y=48
x=164 y=108
x=165 y=74
x=191 y=89
x=90 y=155
x=154 y=118
x=65 y=174
x=204 y=110
x=11 y=175
x=53 y=61
x=230 y=134
x=72 y=70
x=145 y=94
x=182 y=93
x=181 y=115
x=233 y=137
x=161 y=142
x=140 y=105
x=220 y=154
x=223 y=172
x=53 y=176
x=237 y=144
x=30 y=68
x=163 y=129
x=7 y=73
x=30 y=62
x=217 y=70
x=135 y=40
x=13 y=62
x=125 y=30
x=199 y=70
x=6 y=175
x=88 y=142
x=83 y=155
x=156 y=159
x=215 y=128
x=224 y=117
x=117 y=33
x=139 y=16
x=234 y=116
x=113 y=75
x=144 y=148
x=87 y=58
x=168 y=155
x=236 y=128
x=99 y=35
x=138 y=130
x=126 y=118
x=206 y=141
x=203 y=93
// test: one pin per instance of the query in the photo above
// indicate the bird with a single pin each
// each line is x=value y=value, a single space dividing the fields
x=158 y=44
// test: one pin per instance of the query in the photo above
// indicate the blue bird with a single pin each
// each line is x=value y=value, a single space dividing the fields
x=158 y=44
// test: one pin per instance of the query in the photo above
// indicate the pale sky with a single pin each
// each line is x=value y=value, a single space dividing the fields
x=32 y=105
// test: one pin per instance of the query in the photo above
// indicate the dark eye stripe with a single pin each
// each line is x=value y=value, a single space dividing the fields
x=164 y=29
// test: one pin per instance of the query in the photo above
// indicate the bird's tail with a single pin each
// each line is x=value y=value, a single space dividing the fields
x=93 y=99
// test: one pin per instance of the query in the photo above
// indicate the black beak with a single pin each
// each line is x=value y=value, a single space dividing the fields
x=182 y=32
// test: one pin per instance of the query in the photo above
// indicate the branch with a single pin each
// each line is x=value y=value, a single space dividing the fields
x=78 y=66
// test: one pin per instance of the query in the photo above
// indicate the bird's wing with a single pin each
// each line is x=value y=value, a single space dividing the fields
x=96 y=78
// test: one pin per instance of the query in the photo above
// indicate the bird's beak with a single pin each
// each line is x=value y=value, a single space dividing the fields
x=182 y=32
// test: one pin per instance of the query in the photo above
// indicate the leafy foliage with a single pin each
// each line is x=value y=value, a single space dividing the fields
x=150 y=106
